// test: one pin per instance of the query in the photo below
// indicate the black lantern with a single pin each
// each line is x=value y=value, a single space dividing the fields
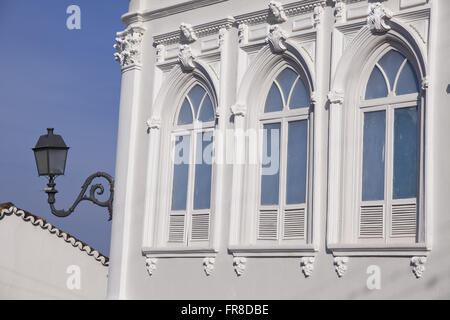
x=50 y=154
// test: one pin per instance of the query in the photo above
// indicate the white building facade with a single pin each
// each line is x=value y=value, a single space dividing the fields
x=321 y=131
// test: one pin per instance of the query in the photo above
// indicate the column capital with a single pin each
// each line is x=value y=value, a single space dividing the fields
x=128 y=46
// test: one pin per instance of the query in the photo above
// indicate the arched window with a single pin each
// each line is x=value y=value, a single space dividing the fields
x=283 y=185
x=192 y=174
x=389 y=179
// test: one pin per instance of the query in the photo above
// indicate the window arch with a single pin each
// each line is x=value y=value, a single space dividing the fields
x=192 y=170
x=283 y=178
x=390 y=116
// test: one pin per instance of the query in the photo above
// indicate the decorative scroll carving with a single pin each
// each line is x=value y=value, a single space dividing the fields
x=160 y=52
x=339 y=9
x=222 y=33
x=208 y=264
x=239 y=265
x=129 y=46
x=276 y=12
x=276 y=39
x=242 y=33
x=307 y=264
x=340 y=265
x=336 y=98
x=150 y=264
x=187 y=33
x=186 y=58
x=379 y=17
x=418 y=265
x=317 y=15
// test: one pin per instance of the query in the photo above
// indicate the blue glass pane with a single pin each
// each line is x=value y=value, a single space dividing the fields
x=391 y=63
x=405 y=153
x=203 y=171
x=300 y=96
x=407 y=82
x=297 y=162
x=376 y=87
x=196 y=95
x=207 y=110
x=374 y=156
x=274 y=101
x=270 y=176
x=185 y=116
x=180 y=172
x=286 y=81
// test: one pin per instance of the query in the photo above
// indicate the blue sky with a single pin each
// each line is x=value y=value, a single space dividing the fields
x=66 y=79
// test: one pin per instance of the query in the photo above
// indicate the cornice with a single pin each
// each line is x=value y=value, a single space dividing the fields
x=149 y=15
x=201 y=30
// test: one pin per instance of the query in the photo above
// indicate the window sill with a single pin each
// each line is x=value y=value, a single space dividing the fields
x=199 y=252
x=273 y=251
x=361 y=250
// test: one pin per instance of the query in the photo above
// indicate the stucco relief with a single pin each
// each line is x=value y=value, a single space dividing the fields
x=150 y=264
x=186 y=58
x=208 y=265
x=276 y=39
x=276 y=12
x=379 y=17
x=418 y=265
x=340 y=265
x=307 y=264
x=187 y=33
x=129 y=46
x=239 y=265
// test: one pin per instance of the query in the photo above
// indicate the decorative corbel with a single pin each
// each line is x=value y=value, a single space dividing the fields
x=150 y=264
x=153 y=123
x=222 y=33
x=336 y=97
x=187 y=33
x=317 y=15
x=340 y=265
x=186 y=58
x=128 y=46
x=307 y=264
x=339 y=10
x=208 y=265
x=243 y=33
x=418 y=266
x=276 y=39
x=276 y=13
x=160 y=53
x=238 y=110
x=425 y=84
x=379 y=17
x=239 y=265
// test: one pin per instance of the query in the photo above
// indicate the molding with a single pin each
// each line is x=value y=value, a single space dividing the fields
x=150 y=265
x=167 y=11
x=379 y=17
x=185 y=252
x=353 y=250
x=340 y=265
x=40 y=222
x=186 y=58
x=239 y=264
x=307 y=264
x=129 y=47
x=404 y=4
x=208 y=265
x=418 y=266
x=272 y=251
x=200 y=31
x=276 y=38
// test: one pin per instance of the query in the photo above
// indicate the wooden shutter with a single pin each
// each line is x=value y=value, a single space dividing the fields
x=268 y=224
x=200 y=226
x=371 y=221
x=404 y=220
x=176 y=227
x=294 y=224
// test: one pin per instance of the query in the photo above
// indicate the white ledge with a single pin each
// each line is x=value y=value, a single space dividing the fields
x=273 y=251
x=179 y=252
x=361 y=250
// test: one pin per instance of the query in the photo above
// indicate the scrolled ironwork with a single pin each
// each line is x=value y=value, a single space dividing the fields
x=95 y=190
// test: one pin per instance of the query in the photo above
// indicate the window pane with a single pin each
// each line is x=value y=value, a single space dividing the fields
x=300 y=96
x=376 y=87
x=185 y=116
x=207 y=111
x=180 y=172
x=203 y=171
x=297 y=162
x=286 y=81
x=270 y=176
x=196 y=95
x=391 y=63
x=274 y=101
x=405 y=153
x=374 y=156
x=407 y=82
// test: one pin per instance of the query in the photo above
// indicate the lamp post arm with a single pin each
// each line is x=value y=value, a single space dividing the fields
x=96 y=189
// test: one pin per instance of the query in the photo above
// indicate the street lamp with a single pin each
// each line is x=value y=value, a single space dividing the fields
x=50 y=154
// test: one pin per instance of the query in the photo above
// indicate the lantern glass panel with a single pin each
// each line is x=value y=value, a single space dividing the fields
x=57 y=161
x=41 y=157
